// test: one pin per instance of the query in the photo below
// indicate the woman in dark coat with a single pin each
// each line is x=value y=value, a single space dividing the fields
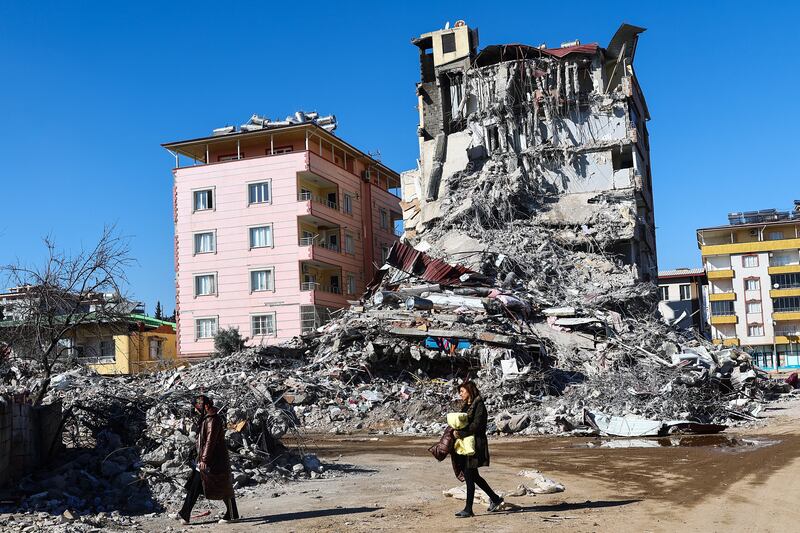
x=477 y=418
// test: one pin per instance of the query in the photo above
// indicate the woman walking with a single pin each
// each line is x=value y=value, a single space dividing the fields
x=476 y=426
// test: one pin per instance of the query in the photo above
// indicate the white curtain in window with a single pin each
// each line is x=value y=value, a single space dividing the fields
x=204 y=242
x=348 y=244
x=260 y=237
x=204 y=284
x=261 y=280
x=206 y=328
x=264 y=325
x=259 y=193
x=202 y=200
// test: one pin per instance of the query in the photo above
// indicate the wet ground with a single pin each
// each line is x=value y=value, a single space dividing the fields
x=746 y=480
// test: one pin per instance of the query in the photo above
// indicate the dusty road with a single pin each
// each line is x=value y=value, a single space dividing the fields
x=746 y=481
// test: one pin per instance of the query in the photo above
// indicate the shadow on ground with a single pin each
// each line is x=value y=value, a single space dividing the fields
x=300 y=515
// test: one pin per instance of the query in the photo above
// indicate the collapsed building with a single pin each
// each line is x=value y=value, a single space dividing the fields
x=515 y=131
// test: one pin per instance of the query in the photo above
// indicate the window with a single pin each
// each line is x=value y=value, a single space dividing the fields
x=282 y=150
x=384 y=219
x=349 y=244
x=258 y=193
x=204 y=200
x=351 y=284
x=205 y=328
x=753 y=307
x=228 y=157
x=775 y=235
x=348 y=204
x=786 y=304
x=262 y=280
x=448 y=43
x=755 y=330
x=786 y=281
x=261 y=237
x=664 y=293
x=722 y=309
x=106 y=348
x=749 y=261
x=263 y=324
x=686 y=292
x=156 y=349
x=752 y=284
x=204 y=242
x=205 y=284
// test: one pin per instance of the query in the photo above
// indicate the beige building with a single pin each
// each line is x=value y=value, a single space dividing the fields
x=753 y=270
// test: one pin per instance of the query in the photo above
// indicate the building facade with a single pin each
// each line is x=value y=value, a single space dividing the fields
x=276 y=226
x=568 y=122
x=682 y=298
x=753 y=270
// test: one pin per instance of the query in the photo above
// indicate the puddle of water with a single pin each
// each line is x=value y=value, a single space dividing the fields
x=724 y=442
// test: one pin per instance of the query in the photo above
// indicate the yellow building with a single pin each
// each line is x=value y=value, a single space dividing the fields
x=140 y=345
x=753 y=270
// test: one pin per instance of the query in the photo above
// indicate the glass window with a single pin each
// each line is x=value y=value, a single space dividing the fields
x=259 y=193
x=351 y=284
x=205 y=284
x=686 y=292
x=448 y=43
x=263 y=324
x=204 y=242
x=348 y=204
x=786 y=304
x=261 y=237
x=753 y=307
x=752 y=284
x=755 y=330
x=205 y=328
x=203 y=200
x=664 y=291
x=106 y=348
x=750 y=261
x=775 y=235
x=261 y=280
x=349 y=244
x=785 y=281
x=384 y=219
x=722 y=308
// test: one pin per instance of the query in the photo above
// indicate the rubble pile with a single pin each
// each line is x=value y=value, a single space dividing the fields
x=131 y=440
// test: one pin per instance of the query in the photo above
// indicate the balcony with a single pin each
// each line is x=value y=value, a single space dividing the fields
x=308 y=196
x=779 y=293
x=722 y=297
x=725 y=273
x=733 y=341
x=784 y=269
x=791 y=313
x=313 y=286
x=724 y=319
x=750 y=247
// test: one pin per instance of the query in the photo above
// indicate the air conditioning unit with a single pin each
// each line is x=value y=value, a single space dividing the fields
x=753 y=232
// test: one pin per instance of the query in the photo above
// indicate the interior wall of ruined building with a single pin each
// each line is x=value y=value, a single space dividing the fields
x=573 y=132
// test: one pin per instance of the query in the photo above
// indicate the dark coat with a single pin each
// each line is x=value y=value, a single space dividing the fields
x=211 y=450
x=477 y=419
x=444 y=447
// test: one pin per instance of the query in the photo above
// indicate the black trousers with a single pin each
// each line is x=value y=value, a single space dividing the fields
x=472 y=477
x=194 y=488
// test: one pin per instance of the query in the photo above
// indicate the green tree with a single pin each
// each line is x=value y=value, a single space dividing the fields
x=159 y=312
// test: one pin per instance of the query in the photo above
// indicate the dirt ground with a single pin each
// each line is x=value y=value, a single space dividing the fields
x=746 y=480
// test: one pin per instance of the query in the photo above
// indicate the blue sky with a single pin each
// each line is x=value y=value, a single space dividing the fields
x=90 y=89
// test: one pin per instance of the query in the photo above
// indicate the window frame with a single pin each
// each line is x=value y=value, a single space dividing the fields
x=348 y=237
x=227 y=158
x=274 y=316
x=754 y=325
x=746 y=256
x=195 y=234
x=688 y=288
x=212 y=190
x=347 y=203
x=446 y=45
x=351 y=284
x=271 y=236
x=268 y=183
x=664 y=293
x=214 y=318
x=203 y=274
x=750 y=302
x=271 y=270
x=384 y=218
x=752 y=278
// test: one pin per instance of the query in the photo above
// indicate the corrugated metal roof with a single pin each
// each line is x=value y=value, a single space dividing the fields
x=681 y=272
x=419 y=264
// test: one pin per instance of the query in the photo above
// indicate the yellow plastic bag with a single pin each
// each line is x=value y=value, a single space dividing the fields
x=457 y=420
x=465 y=446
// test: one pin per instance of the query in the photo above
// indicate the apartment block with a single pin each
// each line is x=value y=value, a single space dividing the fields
x=277 y=225
x=753 y=270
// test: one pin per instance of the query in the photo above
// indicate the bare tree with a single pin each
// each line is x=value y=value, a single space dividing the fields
x=66 y=293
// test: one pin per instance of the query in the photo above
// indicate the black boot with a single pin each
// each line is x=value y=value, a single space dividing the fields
x=466 y=513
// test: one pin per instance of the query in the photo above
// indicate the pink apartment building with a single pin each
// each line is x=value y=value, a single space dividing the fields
x=274 y=229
